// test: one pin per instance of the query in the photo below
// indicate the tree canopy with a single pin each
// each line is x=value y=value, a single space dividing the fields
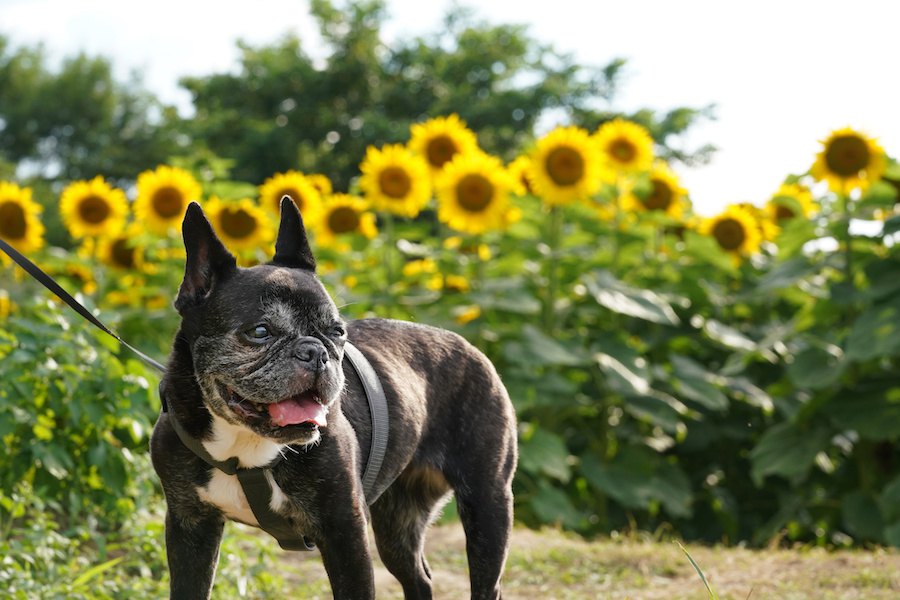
x=283 y=109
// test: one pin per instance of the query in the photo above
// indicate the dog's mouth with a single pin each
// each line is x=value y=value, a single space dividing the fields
x=305 y=408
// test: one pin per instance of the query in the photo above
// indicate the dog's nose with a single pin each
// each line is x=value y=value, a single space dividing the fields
x=312 y=353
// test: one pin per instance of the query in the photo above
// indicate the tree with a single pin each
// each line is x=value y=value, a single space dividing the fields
x=282 y=110
x=78 y=122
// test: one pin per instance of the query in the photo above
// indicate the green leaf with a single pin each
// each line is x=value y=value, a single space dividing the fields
x=624 y=479
x=892 y=225
x=884 y=279
x=695 y=383
x=787 y=450
x=548 y=351
x=890 y=498
x=728 y=336
x=816 y=368
x=623 y=299
x=875 y=333
x=625 y=369
x=785 y=274
x=861 y=516
x=704 y=249
x=875 y=416
x=654 y=410
x=892 y=535
x=541 y=451
x=552 y=505
x=794 y=236
x=638 y=476
x=96 y=570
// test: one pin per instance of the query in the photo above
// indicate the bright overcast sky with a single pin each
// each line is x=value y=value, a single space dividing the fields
x=783 y=74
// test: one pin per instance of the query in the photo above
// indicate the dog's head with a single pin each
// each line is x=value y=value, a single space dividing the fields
x=266 y=341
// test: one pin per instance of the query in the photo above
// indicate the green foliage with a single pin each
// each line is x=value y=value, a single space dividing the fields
x=75 y=418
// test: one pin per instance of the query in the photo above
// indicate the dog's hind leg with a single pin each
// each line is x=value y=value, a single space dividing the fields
x=484 y=499
x=400 y=519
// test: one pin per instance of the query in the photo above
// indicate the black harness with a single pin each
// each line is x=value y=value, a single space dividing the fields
x=253 y=481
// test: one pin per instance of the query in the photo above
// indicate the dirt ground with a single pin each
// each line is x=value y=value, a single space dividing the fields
x=553 y=565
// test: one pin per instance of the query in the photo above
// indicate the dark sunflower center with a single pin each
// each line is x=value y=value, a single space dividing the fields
x=847 y=155
x=440 y=149
x=474 y=192
x=293 y=195
x=122 y=254
x=729 y=233
x=168 y=202
x=565 y=165
x=661 y=196
x=237 y=223
x=622 y=150
x=343 y=219
x=784 y=213
x=12 y=220
x=395 y=182
x=93 y=210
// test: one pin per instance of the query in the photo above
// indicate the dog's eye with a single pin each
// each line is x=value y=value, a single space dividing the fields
x=338 y=330
x=259 y=332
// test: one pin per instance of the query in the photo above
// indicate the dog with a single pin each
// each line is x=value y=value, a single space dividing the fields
x=257 y=374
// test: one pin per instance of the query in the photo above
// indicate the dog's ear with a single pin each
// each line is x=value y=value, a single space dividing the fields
x=208 y=261
x=292 y=246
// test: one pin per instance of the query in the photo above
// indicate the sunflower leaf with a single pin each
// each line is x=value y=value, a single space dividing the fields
x=634 y=302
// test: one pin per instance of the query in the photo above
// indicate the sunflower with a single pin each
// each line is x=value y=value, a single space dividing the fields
x=20 y=224
x=92 y=208
x=120 y=251
x=321 y=183
x=241 y=224
x=439 y=140
x=162 y=197
x=736 y=231
x=342 y=215
x=473 y=193
x=396 y=180
x=849 y=160
x=625 y=147
x=565 y=166
x=663 y=196
x=300 y=189
x=792 y=200
x=519 y=170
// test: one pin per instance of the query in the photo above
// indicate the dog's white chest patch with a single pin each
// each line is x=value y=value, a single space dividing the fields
x=225 y=492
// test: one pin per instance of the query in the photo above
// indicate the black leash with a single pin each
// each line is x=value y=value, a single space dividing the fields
x=253 y=480
x=50 y=283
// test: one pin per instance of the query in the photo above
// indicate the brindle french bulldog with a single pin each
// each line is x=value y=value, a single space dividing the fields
x=257 y=371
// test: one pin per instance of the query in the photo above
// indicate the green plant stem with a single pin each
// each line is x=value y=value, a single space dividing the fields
x=553 y=241
x=389 y=273
x=847 y=215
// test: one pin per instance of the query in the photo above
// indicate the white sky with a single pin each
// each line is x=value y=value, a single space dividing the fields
x=782 y=73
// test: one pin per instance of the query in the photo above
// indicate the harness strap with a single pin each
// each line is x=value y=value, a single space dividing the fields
x=258 y=490
x=379 y=412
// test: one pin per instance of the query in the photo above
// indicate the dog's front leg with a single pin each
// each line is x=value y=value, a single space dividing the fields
x=192 y=550
x=345 y=553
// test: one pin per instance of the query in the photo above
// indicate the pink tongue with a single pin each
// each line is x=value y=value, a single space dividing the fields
x=297 y=410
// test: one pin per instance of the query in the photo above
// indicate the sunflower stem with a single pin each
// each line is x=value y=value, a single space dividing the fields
x=389 y=274
x=553 y=240
x=617 y=224
x=845 y=206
